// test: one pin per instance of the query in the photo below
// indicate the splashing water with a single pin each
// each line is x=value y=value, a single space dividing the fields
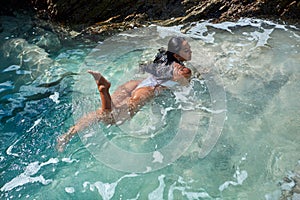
x=45 y=88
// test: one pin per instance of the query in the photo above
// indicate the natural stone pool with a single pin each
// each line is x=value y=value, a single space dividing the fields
x=233 y=133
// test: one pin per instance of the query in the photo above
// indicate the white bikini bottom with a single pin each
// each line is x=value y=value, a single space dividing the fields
x=153 y=82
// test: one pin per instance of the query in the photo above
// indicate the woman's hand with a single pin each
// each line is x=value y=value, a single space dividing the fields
x=181 y=74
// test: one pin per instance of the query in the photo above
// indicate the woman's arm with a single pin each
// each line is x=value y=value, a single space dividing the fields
x=181 y=74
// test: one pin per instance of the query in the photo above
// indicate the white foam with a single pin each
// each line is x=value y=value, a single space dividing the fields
x=159 y=191
x=69 y=190
x=6 y=85
x=196 y=195
x=200 y=29
x=191 y=195
x=26 y=176
x=9 y=150
x=106 y=190
x=262 y=37
x=158 y=157
x=34 y=125
x=22 y=180
x=12 y=68
x=240 y=177
x=148 y=169
x=212 y=111
x=50 y=161
x=167 y=31
x=224 y=26
x=54 y=97
x=69 y=160
x=23 y=72
x=129 y=35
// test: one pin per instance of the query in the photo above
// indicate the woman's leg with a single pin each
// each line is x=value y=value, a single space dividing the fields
x=128 y=100
x=123 y=92
x=119 y=97
x=139 y=98
x=83 y=122
x=131 y=105
x=102 y=114
x=103 y=88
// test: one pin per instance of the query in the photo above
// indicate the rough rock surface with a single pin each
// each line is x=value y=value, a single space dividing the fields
x=109 y=16
x=91 y=11
x=290 y=186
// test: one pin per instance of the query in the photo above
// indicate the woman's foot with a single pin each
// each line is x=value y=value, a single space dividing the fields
x=62 y=141
x=100 y=80
x=103 y=88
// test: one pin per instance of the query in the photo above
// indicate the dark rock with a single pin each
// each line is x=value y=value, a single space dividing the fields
x=7 y=7
x=106 y=17
x=290 y=186
x=89 y=12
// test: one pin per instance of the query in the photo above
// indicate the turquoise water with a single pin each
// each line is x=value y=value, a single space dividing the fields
x=236 y=128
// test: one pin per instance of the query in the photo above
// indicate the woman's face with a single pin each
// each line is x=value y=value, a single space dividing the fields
x=185 y=53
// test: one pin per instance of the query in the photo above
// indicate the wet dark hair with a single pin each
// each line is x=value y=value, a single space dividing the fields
x=175 y=44
x=167 y=56
x=161 y=66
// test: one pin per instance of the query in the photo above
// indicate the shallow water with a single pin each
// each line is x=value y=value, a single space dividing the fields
x=236 y=129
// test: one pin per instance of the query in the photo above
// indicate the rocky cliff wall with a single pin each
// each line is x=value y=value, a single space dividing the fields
x=109 y=16
x=92 y=11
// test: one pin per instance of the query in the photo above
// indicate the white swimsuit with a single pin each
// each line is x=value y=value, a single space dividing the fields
x=152 y=81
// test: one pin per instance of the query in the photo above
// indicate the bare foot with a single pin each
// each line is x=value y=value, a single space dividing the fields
x=61 y=143
x=100 y=80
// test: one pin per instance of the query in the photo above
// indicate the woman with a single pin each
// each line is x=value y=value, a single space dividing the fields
x=167 y=69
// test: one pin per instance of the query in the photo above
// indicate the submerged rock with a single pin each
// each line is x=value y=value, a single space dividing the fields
x=29 y=58
x=290 y=186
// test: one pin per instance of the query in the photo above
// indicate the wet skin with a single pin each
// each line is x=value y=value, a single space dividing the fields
x=127 y=99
